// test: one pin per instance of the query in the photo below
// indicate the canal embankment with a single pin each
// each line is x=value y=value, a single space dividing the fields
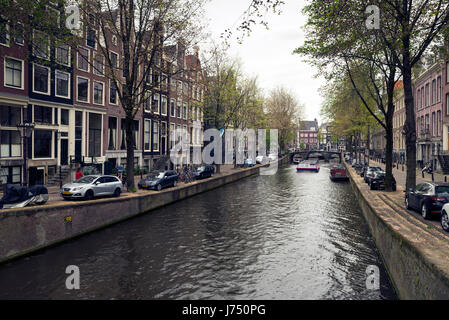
x=415 y=252
x=29 y=229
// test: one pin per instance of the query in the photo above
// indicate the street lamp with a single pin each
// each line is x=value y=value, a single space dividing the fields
x=25 y=129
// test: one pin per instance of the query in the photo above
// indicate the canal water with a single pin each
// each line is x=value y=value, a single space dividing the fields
x=288 y=236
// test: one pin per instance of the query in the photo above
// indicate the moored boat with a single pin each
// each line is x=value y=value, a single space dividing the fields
x=313 y=166
x=338 y=173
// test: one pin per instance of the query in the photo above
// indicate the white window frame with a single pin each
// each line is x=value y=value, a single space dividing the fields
x=69 y=53
x=93 y=93
x=116 y=94
x=88 y=89
x=48 y=45
x=69 y=85
x=166 y=105
x=150 y=136
x=8 y=37
x=159 y=102
x=174 y=109
x=158 y=136
x=22 y=87
x=118 y=59
x=96 y=72
x=88 y=60
x=48 y=80
x=23 y=39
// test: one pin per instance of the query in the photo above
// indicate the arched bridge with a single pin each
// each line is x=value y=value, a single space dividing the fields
x=326 y=155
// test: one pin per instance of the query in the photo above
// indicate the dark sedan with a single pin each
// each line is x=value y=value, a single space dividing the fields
x=427 y=198
x=378 y=181
x=202 y=172
x=159 y=180
x=369 y=173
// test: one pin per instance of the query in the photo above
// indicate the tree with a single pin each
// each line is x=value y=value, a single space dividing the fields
x=283 y=111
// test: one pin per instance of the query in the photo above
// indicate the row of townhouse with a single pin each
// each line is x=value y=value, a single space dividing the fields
x=75 y=109
x=431 y=97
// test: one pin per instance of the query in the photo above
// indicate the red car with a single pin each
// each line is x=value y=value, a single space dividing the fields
x=338 y=173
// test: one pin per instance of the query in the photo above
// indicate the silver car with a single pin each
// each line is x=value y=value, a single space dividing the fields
x=89 y=187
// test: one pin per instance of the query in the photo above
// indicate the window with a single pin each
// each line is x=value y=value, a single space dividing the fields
x=147 y=135
x=179 y=87
x=10 y=116
x=62 y=84
x=10 y=175
x=155 y=103
x=13 y=73
x=439 y=123
x=147 y=100
x=155 y=136
x=98 y=93
x=43 y=114
x=172 y=107
x=90 y=38
x=433 y=124
x=178 y=109
x=95 y=134
x=63 y=55
x=184 y=111
x=447 y=103
x=41 y=79
x=439 y=89
x=418 y=102
x=136 y=134
x=19 y=34
x=434 y=91
x=83 y=59
x=114 y=59
x=99 y=65
x=427 y=95
x=4 y=34
x=112 y=133
x=164 y=105
x=83 y=89
x=172 y=135
x=40 y=45
x=112 y=93
x=65 y=117
x=10 y=145
x=42 y=143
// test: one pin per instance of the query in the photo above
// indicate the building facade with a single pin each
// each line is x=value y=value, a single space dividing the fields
x=308 y=135
x=429 y=108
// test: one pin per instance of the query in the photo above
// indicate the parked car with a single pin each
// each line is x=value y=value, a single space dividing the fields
x=427 y=198
x=272 y=157
x=445 y=217
x=249 y=162
x=378 y=181
x=159 y=180
x=92 y=186
x=369 y=173
x=205 y=171
x=261 y=159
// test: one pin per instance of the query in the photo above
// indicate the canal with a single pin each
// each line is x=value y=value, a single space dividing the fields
x=287 y=236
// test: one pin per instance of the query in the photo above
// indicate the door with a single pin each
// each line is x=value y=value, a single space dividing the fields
x=100 y=186
x=64 y=152
x=413 y=195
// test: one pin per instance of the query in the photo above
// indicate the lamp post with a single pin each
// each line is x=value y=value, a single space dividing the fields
x=25 y=129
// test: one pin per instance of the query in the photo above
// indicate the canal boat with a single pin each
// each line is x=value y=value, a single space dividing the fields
x=312 y=166
x=338 y=173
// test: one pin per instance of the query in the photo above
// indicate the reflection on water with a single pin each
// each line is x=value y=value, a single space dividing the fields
x=287 y=236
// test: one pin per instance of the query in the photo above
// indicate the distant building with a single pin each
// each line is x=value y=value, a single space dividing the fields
x=398 y=123
x=308 y=135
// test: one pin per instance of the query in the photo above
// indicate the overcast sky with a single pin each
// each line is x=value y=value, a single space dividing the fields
x=268 y=53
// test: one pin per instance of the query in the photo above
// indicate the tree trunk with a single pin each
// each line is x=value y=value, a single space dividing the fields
x=389 y=157
x=129 y=123
x=410 y=125
x=368 y=141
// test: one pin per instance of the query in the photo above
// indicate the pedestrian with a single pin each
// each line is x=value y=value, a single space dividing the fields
x=78 y=174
